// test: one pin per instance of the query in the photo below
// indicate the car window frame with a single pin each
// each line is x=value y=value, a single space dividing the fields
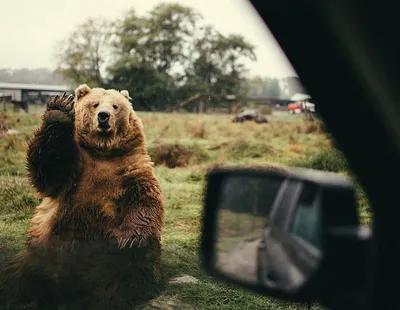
x=286 y=191
x=316 y=204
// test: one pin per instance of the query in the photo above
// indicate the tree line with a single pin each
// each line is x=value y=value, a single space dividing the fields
x=161 y=57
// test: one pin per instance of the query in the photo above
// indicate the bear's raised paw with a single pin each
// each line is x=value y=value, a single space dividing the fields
x=60 y=109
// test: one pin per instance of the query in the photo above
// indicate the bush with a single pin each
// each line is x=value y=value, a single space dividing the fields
x=327 y=159
x=176 y=155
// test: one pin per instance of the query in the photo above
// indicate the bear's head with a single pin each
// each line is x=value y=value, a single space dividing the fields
x=105 y=120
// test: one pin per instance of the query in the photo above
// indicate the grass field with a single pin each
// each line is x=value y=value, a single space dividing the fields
x=183 y=147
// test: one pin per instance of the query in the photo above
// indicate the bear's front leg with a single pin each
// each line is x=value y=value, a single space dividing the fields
x=138 y=230
x=51 y=156
x=142 y=214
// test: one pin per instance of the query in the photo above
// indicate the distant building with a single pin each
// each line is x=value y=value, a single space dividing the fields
x=31 y=93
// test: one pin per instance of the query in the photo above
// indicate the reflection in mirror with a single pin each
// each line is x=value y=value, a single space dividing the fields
x=243 y=210
x=268 y=231
x=306 y=220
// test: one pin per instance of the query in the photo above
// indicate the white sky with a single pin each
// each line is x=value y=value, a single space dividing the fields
x=30 y=29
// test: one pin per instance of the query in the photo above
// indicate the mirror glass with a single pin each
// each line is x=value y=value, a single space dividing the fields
x=268 y=230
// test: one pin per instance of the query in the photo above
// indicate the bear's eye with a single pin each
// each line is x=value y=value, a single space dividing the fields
x=96 y=105
x=115 y=107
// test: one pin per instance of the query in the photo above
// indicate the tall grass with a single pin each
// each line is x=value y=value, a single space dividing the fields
x=183 y=147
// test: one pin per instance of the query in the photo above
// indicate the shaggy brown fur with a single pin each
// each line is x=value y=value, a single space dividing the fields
x=94 y=242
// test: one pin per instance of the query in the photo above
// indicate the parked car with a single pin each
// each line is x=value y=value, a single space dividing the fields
x=293 y=230
x=301 y=107
x=295 y=107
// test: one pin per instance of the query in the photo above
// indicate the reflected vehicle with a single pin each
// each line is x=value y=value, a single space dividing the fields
x=290 y=245
x=272 y=236
x=241 y=220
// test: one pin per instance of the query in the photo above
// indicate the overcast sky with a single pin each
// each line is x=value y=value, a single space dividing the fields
x=30 y=29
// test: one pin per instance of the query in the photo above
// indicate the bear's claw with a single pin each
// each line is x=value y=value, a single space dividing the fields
x=125 y=240
x=59 y=104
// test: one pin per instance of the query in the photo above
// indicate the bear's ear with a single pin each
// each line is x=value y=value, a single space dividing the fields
x=125 y=93
x=81 y=91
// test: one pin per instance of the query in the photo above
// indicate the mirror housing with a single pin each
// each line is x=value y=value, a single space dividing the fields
x=340 y=270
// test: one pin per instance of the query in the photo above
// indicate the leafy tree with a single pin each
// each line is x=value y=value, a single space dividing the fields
x=160 y=38
x=83 y=55
x=170 y=29
x=216 y=67
x=149 y=88
x=159 y=57
x=148 y=50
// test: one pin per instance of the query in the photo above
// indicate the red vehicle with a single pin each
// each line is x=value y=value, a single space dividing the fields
x=294 y=107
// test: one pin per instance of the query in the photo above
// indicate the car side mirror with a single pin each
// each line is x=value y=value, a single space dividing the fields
x=292 y=234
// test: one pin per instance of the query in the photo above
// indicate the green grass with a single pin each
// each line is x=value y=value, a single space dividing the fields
x=210 y=140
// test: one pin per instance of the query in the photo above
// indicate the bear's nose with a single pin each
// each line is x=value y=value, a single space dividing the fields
x=103 y=117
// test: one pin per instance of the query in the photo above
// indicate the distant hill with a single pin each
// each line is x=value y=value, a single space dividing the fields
x=31 y=76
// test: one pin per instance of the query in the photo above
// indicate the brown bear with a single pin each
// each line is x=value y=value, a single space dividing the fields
x=94 y=242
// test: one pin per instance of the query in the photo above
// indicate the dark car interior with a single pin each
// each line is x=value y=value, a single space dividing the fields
x=346 y=55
